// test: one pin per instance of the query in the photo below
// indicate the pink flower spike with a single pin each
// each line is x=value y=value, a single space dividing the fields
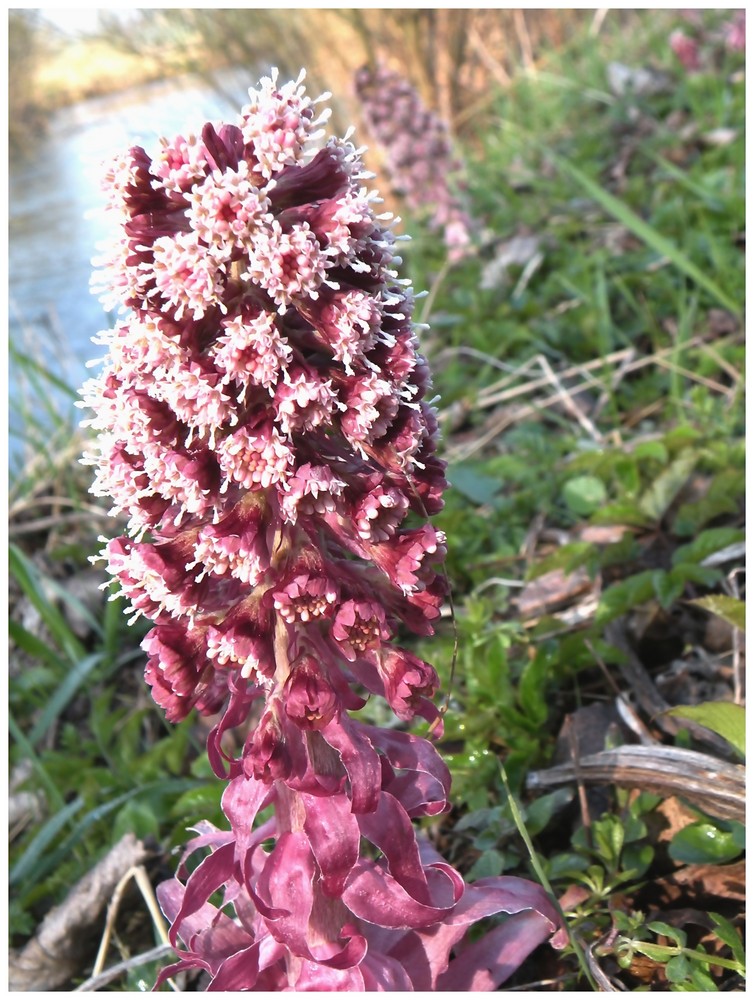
x=263 y=422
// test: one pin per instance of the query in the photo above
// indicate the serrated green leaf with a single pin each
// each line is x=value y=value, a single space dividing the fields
x=729 y=608
x=722 y=717
x=706 y=544
x=625 y=595
x=656 y=501
x=667 y=587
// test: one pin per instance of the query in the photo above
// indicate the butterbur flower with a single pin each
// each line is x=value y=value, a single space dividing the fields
x=419 y=158
x=263 y=424
x=686 y=49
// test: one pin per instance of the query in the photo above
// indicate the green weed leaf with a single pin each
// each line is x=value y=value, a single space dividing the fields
x=137 y=818
x=730 y=936
x=28 y=577
x=722 y=717
x=621 y=512
x=677 y=969
x=645 y=232
x=656 y=501
x=704 y=843
x=476 y=485
x=654 y=450
x=62 y=696
x=541 y=810
x=667 y=587
x=489 y=864
x=27 y=867
x=623 y=596
x=706 y=544
x=584 y=495
x=729 y=608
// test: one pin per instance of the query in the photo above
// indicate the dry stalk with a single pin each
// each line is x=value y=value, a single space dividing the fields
x=139 y=875
x=492 y=396
x=496 y=69
x=93 y=983
x=739 y=677
x=568 y=401
x=714 y=785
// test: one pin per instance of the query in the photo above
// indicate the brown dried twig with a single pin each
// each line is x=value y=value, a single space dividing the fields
x=714 y=785
x=59 y=947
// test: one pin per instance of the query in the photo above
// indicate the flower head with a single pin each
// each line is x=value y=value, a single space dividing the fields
x=418 y=153
x=262 y=423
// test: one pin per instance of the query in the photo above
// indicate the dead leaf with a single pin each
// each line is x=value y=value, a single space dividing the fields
x=522 y=250
x=551 y=591
x=719 y=137
x=603 y=534
x=722 y=322
x=726 y=882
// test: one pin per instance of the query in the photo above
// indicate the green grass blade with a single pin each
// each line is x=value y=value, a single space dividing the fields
x=29 y=365
x=78 y=606
x=545 y=882
x=28 y=577
x=70 y=684
x=29 y=862
x=35 y=647
x=713 y=201
x=50 y=861
x=644 y=231
x=56 y=799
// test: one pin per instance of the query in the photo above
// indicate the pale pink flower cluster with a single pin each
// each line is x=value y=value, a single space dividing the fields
x=696 y=49
x=263 y=424
x=420 y=163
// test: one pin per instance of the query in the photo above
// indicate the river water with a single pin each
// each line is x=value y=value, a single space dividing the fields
x=56 y=218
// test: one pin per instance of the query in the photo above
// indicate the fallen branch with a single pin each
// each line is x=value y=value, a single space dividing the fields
x=710 y=784
x=55 y=954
